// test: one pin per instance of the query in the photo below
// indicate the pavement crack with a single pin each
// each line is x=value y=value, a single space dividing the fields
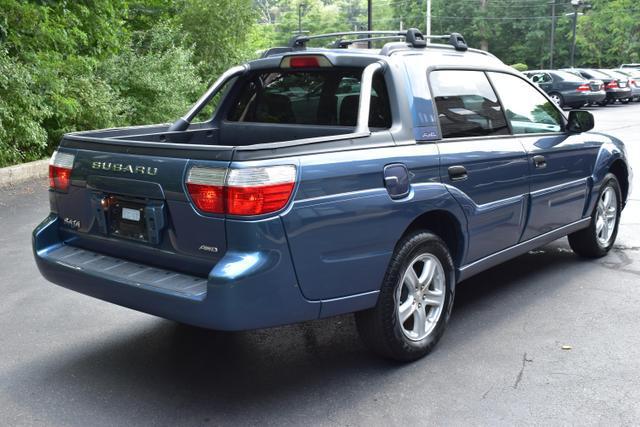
x=521 y=373
x=484 y=395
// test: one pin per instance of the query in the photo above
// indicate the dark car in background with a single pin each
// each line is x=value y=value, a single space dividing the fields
x=617 y=88
x=634 y=81
x=568 y=89
x=623 y=82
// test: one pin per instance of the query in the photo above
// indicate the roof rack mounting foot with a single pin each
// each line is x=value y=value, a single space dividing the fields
x=457 y=41
x=415 y=38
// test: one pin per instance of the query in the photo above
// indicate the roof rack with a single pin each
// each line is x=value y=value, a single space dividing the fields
x=413 y=36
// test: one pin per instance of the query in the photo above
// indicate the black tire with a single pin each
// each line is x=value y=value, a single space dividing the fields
x=380 y=327
x=625 y=101
x=603 y=103
x=560 y=99
x=585 y=242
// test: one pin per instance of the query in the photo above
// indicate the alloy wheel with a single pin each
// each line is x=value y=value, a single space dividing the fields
x=606 y=216
x=420 y=296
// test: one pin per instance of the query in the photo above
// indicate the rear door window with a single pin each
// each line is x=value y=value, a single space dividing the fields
x=526 y=108
x=324 y=97
x=467 y=105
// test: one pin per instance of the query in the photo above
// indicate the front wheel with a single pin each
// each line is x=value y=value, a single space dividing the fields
x=597 y=240
x=415 y=300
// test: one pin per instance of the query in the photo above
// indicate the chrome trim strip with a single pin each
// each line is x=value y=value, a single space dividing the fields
x=483 y=264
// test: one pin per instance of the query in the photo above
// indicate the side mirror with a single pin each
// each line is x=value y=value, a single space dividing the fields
x=580 y=121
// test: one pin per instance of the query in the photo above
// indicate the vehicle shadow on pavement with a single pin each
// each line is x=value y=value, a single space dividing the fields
x=209 y=374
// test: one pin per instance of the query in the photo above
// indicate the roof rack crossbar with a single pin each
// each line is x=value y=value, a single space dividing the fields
x=413 y=36
x=301 y=40
x=343 y=43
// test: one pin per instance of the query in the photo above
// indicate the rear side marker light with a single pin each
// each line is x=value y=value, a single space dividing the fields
x=60 y=167
x=305 y=61
x=246 y=192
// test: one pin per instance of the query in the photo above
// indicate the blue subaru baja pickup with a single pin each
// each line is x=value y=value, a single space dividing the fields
x=330 y=181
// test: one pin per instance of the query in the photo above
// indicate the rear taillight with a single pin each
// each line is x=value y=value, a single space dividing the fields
x=206 y=187
x=633 y=82
x=584 y=88
x=248 y=191
x=60 y=167
x=612 y=85
x=257 y=191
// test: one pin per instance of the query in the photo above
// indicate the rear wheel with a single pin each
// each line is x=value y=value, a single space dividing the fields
x=415 y=300
x=596 y=240
x=557 y=98
x=603 y=103
x=625 y=101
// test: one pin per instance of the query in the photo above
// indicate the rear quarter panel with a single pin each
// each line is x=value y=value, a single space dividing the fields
x=343 y=227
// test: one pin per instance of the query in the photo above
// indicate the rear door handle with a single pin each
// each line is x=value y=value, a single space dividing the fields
x=539 y=162
x=458 y=173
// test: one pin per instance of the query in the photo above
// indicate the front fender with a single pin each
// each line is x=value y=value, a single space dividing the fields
x=610 y=151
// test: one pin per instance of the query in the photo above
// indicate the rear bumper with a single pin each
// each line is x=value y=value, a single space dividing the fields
x=245 y=290
x=580 y=98
x=620 y=93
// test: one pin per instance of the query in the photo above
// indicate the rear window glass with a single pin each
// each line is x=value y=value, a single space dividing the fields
x=323 y=97
x=570 y=77
x=598 y=74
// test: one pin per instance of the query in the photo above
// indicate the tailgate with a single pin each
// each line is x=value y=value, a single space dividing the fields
x=135 y=206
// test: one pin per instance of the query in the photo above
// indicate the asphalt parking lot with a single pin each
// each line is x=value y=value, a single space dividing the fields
x=67 y=359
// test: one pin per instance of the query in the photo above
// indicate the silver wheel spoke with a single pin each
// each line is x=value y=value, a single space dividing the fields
x=433 y=298
x=606 y=200
x=407 y=309
x=411 y=279
x=420 y=322
x=427 y=273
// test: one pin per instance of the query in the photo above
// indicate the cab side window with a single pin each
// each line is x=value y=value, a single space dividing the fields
x=527 y=110
x=467 y=105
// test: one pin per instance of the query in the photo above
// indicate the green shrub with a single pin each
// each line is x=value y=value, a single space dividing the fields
x=520 y=67
x=22 y=111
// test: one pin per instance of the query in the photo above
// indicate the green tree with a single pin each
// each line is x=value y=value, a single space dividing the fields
x=219 y=31
x=155 y=79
